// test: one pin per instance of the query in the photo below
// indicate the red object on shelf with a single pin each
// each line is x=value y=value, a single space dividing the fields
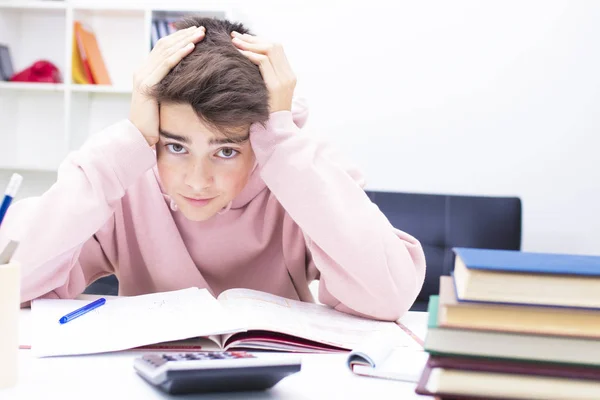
x=39 y=71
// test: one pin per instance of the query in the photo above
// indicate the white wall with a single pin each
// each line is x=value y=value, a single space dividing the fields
x=461 y=97
x=466 y=97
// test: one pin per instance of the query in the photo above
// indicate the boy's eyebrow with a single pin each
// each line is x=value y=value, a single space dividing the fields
x=213 y=141
x=230 y=140
x=179 y=138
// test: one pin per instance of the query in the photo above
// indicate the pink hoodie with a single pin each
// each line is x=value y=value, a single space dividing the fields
x=302 y=216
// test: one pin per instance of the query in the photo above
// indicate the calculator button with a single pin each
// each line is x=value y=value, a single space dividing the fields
x=154 y=360
x=200 y=356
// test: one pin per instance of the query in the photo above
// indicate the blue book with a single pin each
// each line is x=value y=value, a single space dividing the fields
x=535 y=263
x=154 y=36
x=516 y=277
x=6 y=66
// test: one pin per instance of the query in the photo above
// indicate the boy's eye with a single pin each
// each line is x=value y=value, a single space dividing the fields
x=227 y=152
x=175 y=148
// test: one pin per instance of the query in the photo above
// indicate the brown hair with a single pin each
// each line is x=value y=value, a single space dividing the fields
x=223 y=87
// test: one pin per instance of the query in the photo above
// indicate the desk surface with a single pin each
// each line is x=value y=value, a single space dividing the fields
x=108 y=376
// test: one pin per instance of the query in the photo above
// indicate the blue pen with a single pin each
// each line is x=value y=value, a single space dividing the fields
x=9 y=194
x=85 y=309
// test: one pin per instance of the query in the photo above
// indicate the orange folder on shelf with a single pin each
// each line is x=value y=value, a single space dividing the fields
x=80 y=67
x=90 y=52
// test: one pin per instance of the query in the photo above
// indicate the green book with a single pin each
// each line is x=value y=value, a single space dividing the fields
x=497 y=345
x=432 y=310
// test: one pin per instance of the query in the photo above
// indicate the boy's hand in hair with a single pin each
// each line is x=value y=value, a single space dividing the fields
x=167 y=53
x=274 y=67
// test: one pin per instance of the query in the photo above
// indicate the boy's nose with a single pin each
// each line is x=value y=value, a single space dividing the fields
x=199 y=177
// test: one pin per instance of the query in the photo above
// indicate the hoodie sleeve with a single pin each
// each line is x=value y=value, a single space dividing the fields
x=58 y=251
x=366 y=266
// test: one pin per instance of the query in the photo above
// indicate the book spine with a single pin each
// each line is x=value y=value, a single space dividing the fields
x=87 y=70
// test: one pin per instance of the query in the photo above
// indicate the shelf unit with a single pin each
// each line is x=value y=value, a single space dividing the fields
x=40 y=123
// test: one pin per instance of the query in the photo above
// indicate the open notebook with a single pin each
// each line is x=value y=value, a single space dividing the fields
x=385 y=354
x=191 y=319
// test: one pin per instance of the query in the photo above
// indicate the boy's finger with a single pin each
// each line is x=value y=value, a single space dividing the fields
x=254 y=57
x=261 y=48
x=246 y=37
x=280 y=62
x=265 y=66
x=167 y=42
x=164 y=47
x=163 y=68
x=196 y=37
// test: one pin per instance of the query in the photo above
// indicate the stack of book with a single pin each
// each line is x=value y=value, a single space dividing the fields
x=515 y=325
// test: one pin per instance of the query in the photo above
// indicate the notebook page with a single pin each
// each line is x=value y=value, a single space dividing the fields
x=127 y=322
x=25 y=323
x=402 y=363
x=373 y=349
x=264 y=311
x=385 y=355
x=25 y=328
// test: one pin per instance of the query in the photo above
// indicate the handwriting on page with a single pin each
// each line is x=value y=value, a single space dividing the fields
x=303 y=319
x=127 y=322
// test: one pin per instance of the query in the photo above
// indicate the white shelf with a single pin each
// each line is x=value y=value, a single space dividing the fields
x=116 y=7
x=100 y=89
x=208 y=6
x=43 y=122
x=59 y=87
x=26 y=86
x=103 y=10
x=38 y=5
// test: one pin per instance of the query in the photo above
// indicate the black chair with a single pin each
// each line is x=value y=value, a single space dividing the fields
x=108 y=286
x=441 y=222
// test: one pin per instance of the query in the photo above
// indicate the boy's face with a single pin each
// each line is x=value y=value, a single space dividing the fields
x=201 y=169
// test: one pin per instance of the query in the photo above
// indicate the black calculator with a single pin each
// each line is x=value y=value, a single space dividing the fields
x=213 y=371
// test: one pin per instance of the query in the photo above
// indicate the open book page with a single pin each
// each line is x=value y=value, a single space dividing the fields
x=384 y=354
x=205 y=343
x=25 y=320
x=401 y=364
x=267 y=312
x=128 y=322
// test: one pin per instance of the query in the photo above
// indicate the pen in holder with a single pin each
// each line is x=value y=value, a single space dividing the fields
x=9 y=323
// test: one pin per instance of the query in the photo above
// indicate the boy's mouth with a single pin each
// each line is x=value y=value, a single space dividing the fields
x=197 y=201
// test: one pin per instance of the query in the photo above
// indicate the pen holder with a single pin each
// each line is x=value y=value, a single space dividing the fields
x=10 y=304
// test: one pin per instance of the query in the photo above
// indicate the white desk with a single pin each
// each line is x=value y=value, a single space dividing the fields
x=111 y=376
